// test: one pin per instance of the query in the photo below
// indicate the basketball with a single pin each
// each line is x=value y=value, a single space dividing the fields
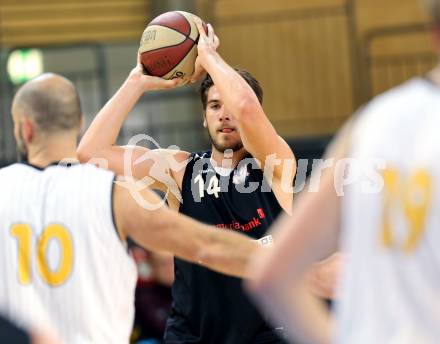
x=168 y=46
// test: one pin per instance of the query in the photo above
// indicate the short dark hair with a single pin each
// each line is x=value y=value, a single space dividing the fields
x=207 y=83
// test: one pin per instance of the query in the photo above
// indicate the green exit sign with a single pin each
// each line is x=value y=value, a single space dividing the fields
x=24 y=64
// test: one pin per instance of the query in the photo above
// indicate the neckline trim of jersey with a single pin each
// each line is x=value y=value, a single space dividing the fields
x=223 y=171
x=55 y=163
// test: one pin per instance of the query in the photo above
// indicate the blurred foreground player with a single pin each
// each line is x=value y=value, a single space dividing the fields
x=63 y=227
x=388 y=221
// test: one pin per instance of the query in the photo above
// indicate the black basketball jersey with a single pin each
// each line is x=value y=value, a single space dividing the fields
x=209 y=307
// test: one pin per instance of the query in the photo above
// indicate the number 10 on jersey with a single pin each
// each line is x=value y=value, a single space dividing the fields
x=24 y=235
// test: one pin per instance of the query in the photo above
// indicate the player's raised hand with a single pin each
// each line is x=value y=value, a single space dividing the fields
x=149 y=82
x=208 y=43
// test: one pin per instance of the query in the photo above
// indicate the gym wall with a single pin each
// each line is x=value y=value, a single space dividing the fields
x=318 y=60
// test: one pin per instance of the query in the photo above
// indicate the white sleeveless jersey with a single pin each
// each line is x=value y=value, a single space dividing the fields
x=390 y=290
x=62 y=264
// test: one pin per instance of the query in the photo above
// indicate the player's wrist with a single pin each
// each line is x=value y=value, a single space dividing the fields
x=207 y=59
x=136 y=83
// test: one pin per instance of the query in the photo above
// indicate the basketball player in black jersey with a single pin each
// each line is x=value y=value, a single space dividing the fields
x=225 y=187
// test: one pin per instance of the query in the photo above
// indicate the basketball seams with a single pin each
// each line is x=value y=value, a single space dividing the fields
x=159 y=57
x=171 y=28
x=182 y=60
x=174 y=19
x=170 y=46
x=186 y=54
x=190 y=27
x=184 y=57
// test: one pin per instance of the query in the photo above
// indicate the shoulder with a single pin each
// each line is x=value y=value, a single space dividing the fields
x=396 y=106
x=201 y=155
x=83 y=178
x=177 y=162
x=87 y=169
x=18 y=170
x=407 y=96
x=197 y=157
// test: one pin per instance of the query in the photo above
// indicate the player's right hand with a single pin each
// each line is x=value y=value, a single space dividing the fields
x=149 y=82
x=208 y=43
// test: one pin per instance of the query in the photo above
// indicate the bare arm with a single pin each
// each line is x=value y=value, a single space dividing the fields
x=165 y=230
x=301 y=241
x=257 y=132
x=99 y=140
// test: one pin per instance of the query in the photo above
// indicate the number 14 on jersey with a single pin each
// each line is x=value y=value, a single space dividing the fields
x=213 y=186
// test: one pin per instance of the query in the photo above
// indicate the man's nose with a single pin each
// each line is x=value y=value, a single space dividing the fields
x=225 y=116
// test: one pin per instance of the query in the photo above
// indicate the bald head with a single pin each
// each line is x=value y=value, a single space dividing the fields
x=51 y=102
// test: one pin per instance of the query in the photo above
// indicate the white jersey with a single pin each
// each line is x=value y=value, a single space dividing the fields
x=62 y=263
x=390 y=290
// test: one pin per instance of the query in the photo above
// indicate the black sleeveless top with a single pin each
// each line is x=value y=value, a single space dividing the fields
x=210 y=307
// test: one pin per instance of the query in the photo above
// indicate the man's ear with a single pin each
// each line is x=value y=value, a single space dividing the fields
x=27 y=130
x=204 y=121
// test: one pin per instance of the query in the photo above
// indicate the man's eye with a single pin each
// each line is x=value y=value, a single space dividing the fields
x=215 y=106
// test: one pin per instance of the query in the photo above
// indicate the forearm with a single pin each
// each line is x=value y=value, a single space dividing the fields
x=105 y=128
x=220 y=250
x=287 y=296
x=236 y=92
x=300 y=242
x=227 y=252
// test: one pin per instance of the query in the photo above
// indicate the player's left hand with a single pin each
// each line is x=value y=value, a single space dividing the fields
x=208 y=43
x=324 y=276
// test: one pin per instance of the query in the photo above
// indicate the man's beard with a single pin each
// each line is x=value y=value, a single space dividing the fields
x=221 y=149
